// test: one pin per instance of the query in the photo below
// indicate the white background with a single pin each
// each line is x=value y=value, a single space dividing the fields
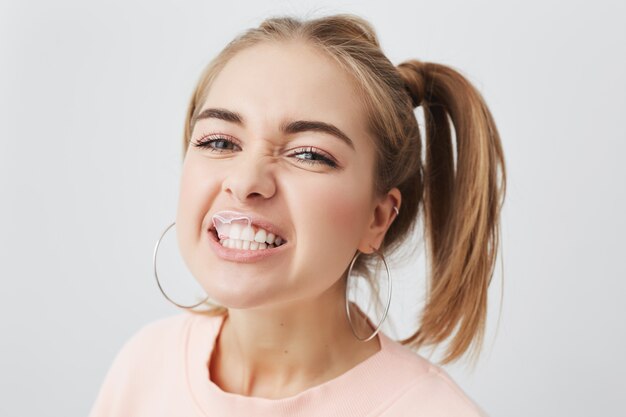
x=92 y=103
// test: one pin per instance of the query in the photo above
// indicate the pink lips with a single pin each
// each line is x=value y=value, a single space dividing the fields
x=241 y=255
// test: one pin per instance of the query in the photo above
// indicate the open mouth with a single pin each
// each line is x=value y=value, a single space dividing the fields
x=256 y=241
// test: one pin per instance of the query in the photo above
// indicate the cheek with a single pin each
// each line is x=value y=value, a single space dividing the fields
x=194 y=191
x=329 y=219
x=186 y=203
x=348 y=200
x=342 y=211
x=188 y=191
x=335 y=211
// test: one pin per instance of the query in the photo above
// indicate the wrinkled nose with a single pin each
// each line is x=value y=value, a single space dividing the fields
x=250 y=177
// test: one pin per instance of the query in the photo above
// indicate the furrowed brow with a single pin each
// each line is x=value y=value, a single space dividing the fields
x=292 y=127
x=316 y=126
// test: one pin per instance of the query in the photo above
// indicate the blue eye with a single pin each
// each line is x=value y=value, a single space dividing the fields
x=219 y=144
x=208 y=144
x=310 y=160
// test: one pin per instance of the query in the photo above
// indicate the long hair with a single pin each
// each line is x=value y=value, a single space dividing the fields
x=461 y=188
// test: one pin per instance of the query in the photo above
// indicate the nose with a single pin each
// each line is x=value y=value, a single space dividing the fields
x=250 y=176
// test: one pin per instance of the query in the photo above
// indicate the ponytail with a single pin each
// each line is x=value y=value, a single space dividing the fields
x=462 y=202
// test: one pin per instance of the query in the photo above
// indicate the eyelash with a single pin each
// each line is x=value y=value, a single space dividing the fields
x=202 y=143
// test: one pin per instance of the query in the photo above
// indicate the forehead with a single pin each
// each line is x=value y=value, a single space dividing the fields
x=276 y=81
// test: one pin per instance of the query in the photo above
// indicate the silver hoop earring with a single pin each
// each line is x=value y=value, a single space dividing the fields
x=154 y=257
x=388 y=297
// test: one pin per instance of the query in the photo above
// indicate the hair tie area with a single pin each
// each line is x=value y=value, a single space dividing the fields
x=412 y=73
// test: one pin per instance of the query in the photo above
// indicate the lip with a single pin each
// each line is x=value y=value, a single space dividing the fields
x=241 y=255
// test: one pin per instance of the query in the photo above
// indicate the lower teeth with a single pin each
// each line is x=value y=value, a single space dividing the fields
x=238 y=244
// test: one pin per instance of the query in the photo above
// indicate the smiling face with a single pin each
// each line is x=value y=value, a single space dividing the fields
x=311 y=184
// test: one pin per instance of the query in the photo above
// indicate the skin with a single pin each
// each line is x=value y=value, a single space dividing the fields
x=286 y=329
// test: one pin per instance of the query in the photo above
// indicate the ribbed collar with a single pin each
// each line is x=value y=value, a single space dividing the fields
x=357 y=392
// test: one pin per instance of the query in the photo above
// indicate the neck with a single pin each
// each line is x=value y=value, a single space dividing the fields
x=281 y=350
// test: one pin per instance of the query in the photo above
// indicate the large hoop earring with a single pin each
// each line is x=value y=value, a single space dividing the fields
x=154 y=257
x=388 y=297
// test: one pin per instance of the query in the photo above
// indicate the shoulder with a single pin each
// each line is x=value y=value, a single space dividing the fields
x=155 y=330
x=163 y=337
x=428 y=390
x=139 y=366
x=150 y=339
x=435 y=393
x=166 y=336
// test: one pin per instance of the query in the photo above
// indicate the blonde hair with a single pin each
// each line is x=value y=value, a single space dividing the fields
x=462 y=196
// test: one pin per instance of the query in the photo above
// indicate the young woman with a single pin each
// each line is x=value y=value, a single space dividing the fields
x=303 y=167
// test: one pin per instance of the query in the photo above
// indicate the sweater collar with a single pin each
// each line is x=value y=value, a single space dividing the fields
x=356 y=392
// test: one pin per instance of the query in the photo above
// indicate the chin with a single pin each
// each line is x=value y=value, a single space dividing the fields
x=232 y=298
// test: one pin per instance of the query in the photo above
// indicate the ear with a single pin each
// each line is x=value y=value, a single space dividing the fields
x=380 y=219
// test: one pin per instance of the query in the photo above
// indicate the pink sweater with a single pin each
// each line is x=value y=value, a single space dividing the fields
x=162 y=370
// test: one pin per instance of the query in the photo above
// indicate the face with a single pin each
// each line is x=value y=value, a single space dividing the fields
x=311 y=184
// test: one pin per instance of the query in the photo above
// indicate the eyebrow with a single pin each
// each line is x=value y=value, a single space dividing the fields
x=288 y=128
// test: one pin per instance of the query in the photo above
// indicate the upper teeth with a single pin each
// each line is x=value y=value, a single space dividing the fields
x=238 y=231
